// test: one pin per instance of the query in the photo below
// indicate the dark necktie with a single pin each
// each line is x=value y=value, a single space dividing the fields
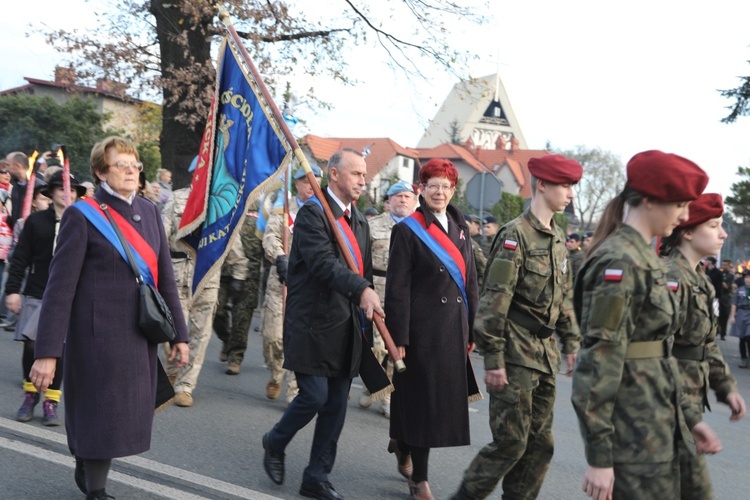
x=346 y=216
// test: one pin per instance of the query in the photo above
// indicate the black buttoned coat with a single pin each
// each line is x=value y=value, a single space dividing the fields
x=322 y=322
x=90 y=306
x=425 y=311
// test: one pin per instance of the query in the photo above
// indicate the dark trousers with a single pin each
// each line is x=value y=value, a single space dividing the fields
x=325 y=397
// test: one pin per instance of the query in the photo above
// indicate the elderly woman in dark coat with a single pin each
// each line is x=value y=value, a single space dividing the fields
x=430 y=301
x=90 y=306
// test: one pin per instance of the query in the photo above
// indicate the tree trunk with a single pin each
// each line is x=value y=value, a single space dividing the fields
x=179 y=142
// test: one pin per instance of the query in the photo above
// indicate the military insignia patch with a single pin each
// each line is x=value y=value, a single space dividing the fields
x=510 y=245
x=673 y=285
x=613 y=275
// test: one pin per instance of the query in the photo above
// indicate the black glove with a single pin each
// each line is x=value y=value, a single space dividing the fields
x=282 y=265
x=236 y=288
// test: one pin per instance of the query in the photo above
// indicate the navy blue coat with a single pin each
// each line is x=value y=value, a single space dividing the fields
x=91 y=306
x=322 y=319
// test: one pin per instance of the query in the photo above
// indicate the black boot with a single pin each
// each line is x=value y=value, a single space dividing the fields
x=98 y=495
x=80 y=476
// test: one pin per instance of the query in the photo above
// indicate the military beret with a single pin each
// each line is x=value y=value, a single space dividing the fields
x=472 y=218
x=666 y=176
x=300 y=173
x=490 y=219
x=371 y=211
x=708 y=206
x=574 y=236
x=589 y=234
x=400 y=187
x=556 y=169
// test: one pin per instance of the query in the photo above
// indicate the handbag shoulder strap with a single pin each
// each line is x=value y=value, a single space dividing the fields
x=125 y=244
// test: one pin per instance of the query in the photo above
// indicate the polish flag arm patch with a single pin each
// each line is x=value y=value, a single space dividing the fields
x=510 y=244
x=673 y=285
x=614 y=275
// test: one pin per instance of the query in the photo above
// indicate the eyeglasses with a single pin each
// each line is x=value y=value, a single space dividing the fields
x=446 y=188
x=123 y=165
x=3 y=171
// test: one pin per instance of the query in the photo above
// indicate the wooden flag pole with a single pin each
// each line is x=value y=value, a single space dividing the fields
x=379 y=323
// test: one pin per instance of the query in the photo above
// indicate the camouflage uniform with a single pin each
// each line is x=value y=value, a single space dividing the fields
x=526 y=284
x=273 y=305
x=198 y=310
x=626 y=393
x=481 y=263
x=242 y=264
x=575 y=258
x=699 y=359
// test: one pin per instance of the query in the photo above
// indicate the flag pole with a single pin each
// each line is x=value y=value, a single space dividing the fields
x=379 y=323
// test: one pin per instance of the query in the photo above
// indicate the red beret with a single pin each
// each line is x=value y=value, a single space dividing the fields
x=556 y=169
x=666 y=176
x=708 y=206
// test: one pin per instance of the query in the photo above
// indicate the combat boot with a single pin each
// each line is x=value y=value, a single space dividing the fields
x=224 y=354
x=233 y=368
x=50 y=418
x=273 y=390
x=26 y=411
x=183 y=399
x=365 y=400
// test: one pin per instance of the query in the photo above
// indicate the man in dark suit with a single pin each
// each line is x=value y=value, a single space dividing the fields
x=323 y=324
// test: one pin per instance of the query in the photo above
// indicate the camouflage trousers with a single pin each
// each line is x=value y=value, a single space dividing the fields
x=522 y=443
x=233 y=319
x=695 y=483
x=199 y=316
x=380 y=352
x=654 y=481
x=272 y=331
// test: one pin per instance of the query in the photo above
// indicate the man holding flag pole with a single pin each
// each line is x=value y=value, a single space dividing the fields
x=245 y=148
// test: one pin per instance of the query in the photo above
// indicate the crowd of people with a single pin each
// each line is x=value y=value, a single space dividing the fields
x=636 y=326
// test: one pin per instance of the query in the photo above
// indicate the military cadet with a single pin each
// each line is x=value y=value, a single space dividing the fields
x=478 y=240
x=575 y=254
x=698 y=357
x=526 y=298
x=238 y=294
x=273 y=305
x=491 y=227
x=626 y=390
x=198 y=309
x=402 y=201
x=727 y=293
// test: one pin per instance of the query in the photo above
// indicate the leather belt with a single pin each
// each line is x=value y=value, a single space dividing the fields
x=648 y=349
x=378 y=272
x=541 y=330
x=690 y=352
x=178 y=255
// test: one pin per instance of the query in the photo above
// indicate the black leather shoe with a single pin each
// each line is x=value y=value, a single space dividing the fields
x=273 y=462
x=321 y=491
x=80 y=476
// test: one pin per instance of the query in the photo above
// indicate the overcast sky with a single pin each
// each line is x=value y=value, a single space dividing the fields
x=625 y=76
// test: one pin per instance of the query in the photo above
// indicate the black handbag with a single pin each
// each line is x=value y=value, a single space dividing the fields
x=154 y=317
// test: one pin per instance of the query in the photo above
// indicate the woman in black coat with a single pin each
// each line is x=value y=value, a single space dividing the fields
x=430 y=301
x=90 y=306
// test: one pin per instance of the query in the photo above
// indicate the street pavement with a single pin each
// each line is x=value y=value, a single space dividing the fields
x=213 y=450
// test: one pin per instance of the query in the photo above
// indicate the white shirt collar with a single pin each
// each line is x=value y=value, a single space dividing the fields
x=340 y=203
x=128 y=200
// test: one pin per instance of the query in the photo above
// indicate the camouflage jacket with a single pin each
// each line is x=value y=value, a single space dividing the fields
x=527 y=272
x=381 y=227
x=627 y=408
x=183 y=266
x=698 y=326
x=576 y=261
x=273 y=243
